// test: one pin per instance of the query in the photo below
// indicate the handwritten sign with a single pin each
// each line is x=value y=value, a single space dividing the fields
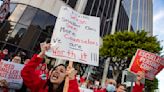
x=76 y=37
x=11 y=73
x=148 y=62
x=85 y=90
x=4 y=9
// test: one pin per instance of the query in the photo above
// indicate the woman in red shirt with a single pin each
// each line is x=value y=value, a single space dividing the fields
x=57 y=75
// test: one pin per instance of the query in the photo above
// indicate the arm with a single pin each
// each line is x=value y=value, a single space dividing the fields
x=28 y=73
x=30 y=78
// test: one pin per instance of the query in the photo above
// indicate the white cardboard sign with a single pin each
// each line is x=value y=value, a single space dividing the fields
x=76 y=37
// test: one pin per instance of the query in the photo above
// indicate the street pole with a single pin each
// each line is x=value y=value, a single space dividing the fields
x=130 y=17
x=105 y=72
x=114 y=23
x=131 y=88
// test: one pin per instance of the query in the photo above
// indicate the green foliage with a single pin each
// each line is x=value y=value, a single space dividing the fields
x=124 y=44
x=151 y=85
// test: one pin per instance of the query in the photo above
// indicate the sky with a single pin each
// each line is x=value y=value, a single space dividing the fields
x=158 y=29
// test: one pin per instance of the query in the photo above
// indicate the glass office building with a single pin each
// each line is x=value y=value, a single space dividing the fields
x=142 y=14
x=30 y=22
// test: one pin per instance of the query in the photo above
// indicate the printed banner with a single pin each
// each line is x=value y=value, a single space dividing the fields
x=76 y=37
x=11 y=73
x=148 y=62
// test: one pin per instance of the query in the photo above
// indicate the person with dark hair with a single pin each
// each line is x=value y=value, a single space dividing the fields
x=121 y=88
x=56 y=79
x=3 y=54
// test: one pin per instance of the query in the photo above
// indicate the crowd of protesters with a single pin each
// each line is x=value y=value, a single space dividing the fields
x=41 y=77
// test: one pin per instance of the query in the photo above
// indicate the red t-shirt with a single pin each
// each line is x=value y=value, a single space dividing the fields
x=138 y=88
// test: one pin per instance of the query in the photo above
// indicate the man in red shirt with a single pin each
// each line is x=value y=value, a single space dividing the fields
x=138 y=85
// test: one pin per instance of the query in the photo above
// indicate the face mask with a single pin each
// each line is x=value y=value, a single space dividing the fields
x=110 y=88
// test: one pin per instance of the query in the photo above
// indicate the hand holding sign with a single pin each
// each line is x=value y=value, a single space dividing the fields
x=71 y=72
x=44 y=47
x=3 y=83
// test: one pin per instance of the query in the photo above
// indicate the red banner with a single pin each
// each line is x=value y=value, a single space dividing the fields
x=148 y=62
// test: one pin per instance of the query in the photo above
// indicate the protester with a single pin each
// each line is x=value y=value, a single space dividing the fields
x=138 y=85
x=26 y=61
x=3 y=54
x=111 y=85
x=57 y=76
x=42 y=72
x=121 y=88
x=16 y=59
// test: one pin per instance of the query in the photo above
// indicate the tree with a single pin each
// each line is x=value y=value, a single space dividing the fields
x=150 y=86
x=121 y=47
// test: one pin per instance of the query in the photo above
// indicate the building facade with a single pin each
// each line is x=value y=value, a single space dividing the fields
x=31 y=22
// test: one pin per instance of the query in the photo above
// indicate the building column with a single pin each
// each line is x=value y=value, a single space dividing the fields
x=115 y=17
x=80 y=5
x=107 y=62
x=143 y=14
x=130 y=16
x=138 y=15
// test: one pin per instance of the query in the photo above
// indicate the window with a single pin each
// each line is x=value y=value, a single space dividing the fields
x=72 y=3
x=6 y=30
x=28 y=16
x=40 y=19
x=1 y=45
x=17 y=13
x=12 y=7
x=17 y=34
x=49 y=25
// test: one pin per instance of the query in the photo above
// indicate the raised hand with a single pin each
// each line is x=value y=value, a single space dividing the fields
x=3 y=83
x=71 y=72
x=44 y=47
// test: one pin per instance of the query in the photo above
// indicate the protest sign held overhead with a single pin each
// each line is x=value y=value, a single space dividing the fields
x=75 y=37
x=148 y=62
x=11 y=73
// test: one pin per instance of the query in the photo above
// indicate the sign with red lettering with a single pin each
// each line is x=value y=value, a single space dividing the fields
x=11 y=73
x=85 y=90
x=148 y=62
x=76 y=37
x=4 y=10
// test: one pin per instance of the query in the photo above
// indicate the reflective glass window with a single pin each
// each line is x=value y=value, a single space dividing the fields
x=17 y=34
x=6 y=30
x=49 y=25
x=28 y=15
x=1 y=45
x=12 y=7
x=30 y=37
x=40 y=19
x=17 y=13
x=41 y=39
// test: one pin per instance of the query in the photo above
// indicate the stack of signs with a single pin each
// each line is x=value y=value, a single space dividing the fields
x=148 y=62
x=11 y=73
x=75 y=37
x=4 y=10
